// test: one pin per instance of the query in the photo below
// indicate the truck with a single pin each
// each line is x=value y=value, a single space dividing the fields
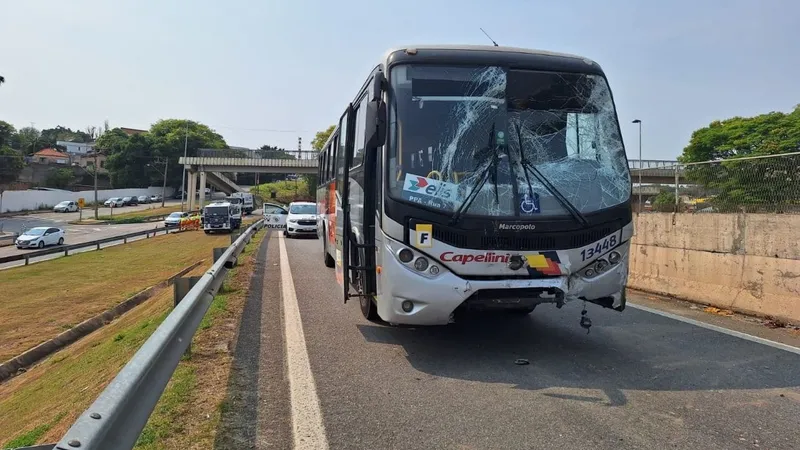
x=248 y=204
x=221 y=216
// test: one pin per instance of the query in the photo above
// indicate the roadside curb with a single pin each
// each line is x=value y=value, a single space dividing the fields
x=75 y=222
x=22 y=362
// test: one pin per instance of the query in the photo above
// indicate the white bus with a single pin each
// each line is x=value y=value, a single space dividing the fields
x=477 y=178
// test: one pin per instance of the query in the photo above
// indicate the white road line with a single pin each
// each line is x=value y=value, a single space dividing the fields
x=738 y=334
x=307 y=427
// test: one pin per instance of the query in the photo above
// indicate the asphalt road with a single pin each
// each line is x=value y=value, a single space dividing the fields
x=639 y=380
x=13 y=224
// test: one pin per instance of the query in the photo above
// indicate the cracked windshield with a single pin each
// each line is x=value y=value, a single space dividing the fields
x=430 y=225
x=498 y=142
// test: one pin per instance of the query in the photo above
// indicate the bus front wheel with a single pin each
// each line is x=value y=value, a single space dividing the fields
x=369 y=309
x=329 y=262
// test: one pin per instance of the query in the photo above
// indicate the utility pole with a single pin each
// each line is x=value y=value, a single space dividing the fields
x=96 y=151
x=183 y=178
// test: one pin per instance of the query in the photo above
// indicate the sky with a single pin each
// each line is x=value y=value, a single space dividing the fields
x=268 y=72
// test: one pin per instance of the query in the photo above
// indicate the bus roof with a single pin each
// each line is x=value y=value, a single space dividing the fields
x=490 y=55
x=484 y=48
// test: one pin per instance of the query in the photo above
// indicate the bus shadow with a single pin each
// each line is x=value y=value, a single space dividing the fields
x=634 y=350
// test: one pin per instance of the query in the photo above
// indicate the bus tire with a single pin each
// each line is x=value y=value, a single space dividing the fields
x=329 y=262
x=369 y=309
x=521 y=311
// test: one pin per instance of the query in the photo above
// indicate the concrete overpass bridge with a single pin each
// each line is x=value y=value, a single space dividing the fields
x=209 y=165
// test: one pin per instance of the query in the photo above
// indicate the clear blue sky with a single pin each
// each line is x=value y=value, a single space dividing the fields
x=239 y=66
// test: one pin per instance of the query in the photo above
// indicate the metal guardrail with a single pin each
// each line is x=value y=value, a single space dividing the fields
x=116 y=418
x=67 y=248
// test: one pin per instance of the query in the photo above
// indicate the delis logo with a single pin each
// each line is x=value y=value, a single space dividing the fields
x=430 y=187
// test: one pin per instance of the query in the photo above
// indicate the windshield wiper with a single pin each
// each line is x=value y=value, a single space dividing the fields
x=556 y=193
x=547 y=184
x=478 y=185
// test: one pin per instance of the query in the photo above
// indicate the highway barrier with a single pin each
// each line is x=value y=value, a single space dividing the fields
x=116 y=418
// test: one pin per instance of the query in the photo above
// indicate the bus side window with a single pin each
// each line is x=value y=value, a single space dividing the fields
x=360 y=130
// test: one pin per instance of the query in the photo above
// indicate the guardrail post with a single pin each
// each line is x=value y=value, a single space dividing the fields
x=66 y=252
x=98 y=246
x=27 y=259
x=124 y=240
x=218 y=252
x=234 y=236
x=180 y=287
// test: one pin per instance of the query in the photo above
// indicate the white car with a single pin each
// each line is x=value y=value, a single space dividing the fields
x=274 y=216
x=114 y=202
x=66 y=206
x=39 y=237
x=301 y=220
x=174 y=219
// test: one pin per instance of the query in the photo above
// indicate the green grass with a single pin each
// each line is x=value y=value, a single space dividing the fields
x=285 y=191
x=163 y=421
x=29 y=438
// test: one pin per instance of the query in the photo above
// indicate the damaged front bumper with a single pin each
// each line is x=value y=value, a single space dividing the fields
x=435 y=299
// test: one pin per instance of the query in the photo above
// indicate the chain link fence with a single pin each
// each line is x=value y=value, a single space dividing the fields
x=762 y=184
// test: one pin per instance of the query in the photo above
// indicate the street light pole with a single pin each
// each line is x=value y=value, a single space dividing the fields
x=183 y=178
x=637 y=121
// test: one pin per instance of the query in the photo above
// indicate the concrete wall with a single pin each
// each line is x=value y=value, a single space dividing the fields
x=30 y=200
x=744 y=262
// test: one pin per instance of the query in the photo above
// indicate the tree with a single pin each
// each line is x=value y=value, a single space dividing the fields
x=7 y=132
x=756 y=184
x=60 y=178
x=322 y=137
x=50 y=136
x=27 y=139
x=128 y=157
x=11 y=164
x=2 y=79
x=269 y=151
x=167 y=137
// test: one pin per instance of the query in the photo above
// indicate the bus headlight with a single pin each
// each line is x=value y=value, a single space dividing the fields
x=601 y=265
x=613 y=257
x=434 y=270
x=405 y=255
x=421 y=264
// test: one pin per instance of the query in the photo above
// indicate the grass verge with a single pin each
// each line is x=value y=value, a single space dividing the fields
x=189 y=412
x=54 y=295
x=141 y=215
x=40 y=405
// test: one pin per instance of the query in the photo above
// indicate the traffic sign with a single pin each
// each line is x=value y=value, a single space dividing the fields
x=81 y=202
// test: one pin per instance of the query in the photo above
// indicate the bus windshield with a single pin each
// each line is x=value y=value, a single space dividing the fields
x=494 y=141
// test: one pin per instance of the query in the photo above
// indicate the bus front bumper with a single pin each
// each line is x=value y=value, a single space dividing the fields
x=435 y=300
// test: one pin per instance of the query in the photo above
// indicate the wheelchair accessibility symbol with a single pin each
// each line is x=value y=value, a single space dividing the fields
x=530 y=204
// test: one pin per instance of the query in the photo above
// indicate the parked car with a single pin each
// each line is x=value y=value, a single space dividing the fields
x=66 y=206
x=174 y=220
x=130 y=201
x=301 y=220
x=144 y=199
x=39 y=237
x=155 y=198
x=115 y=202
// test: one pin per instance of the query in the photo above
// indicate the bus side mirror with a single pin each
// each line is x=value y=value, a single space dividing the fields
x=376 y=124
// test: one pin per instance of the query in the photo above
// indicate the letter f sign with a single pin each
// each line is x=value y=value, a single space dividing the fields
x=424 y=235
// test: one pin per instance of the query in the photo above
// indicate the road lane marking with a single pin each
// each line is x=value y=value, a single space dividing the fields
x=307 y=427
x=708 y=326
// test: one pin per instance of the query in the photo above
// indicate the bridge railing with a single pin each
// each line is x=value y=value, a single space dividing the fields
x=246 y=153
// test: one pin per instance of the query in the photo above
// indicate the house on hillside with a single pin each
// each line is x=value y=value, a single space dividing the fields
x=87 y=162
x=132 y=131
x=77 y=148
x=50 y=156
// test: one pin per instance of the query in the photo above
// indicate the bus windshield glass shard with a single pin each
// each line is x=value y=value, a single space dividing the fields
x=547 y=143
